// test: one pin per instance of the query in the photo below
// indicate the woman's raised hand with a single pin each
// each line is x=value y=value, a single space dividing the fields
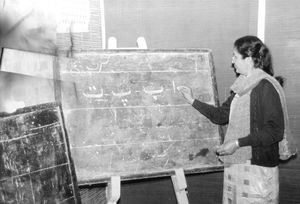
x=187 y=93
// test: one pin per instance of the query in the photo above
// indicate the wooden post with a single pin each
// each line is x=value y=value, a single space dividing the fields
x=113 y=190
x=141 y=44
x=180 y=185
x=112 y=43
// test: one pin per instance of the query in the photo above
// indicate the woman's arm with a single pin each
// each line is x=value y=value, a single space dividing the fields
x=217 y=115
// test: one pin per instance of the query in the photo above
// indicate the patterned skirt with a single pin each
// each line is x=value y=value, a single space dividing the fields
x=250 y=184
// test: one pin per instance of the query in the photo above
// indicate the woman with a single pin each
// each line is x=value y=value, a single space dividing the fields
x=258 y=127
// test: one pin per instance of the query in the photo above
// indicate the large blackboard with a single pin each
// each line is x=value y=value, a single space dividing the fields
x=130 y=120
x=35 y=163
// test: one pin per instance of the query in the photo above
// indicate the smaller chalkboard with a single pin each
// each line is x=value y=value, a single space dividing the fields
x=35 y=162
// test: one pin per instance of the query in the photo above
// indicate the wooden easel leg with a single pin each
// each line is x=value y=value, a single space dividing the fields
x=113 y=190
x=141 y=44
x=180 y=185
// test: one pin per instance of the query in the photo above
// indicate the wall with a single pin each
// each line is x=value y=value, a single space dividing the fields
x=168 y=24
x=53 y=28
x=283 y=38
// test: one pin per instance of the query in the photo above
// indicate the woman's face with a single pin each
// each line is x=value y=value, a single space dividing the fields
x=241 y=65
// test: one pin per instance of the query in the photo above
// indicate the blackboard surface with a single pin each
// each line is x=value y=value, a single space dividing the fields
x=130 y=120
x=35 y=163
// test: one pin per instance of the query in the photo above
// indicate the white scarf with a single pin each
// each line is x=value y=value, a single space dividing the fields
x=243 y=87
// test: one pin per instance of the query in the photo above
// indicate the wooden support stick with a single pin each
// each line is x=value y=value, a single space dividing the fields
x=113 y=190
x=141 y=44
x=180 y=185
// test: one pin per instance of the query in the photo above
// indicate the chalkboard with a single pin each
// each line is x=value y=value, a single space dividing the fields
x=129 y=119
x=35 y=163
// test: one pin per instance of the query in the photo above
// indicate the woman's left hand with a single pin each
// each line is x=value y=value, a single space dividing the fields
x=228 y=147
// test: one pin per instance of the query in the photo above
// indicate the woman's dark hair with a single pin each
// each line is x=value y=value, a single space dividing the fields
x=252 y=46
